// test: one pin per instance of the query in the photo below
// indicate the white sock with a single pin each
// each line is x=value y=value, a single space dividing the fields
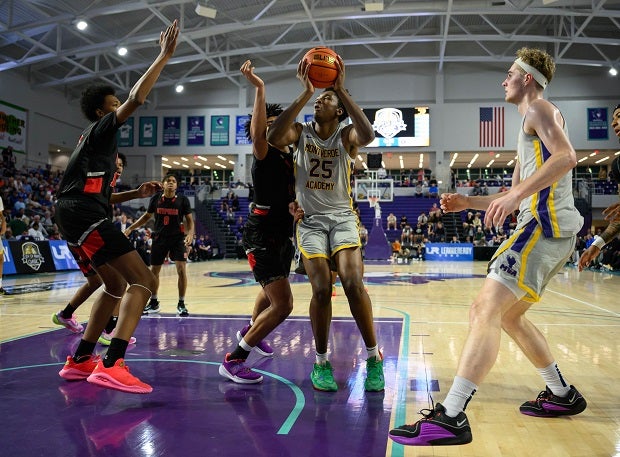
x=554 y=380
x=459 y=395
x=245 y=346
x=321 y=359
x=374 y=352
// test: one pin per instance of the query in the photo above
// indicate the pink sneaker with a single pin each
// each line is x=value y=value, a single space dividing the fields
x=118 y=377
x=72 y=324
x=76 y=371
x=262 y=347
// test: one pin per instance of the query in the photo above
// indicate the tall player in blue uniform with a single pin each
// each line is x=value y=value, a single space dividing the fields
x=266 y=237
x=82 y=213
x=325 y=152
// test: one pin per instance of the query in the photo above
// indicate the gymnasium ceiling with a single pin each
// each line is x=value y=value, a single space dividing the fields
x=38 y=38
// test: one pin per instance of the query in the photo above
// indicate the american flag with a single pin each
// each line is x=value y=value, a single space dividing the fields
x=492 y=126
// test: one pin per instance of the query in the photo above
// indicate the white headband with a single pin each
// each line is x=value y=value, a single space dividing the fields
x=537 y=75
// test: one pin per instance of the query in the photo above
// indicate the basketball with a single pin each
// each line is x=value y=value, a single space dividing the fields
x=322 y=72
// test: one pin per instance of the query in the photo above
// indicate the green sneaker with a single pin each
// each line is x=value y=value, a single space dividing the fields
x=375 y=382
x=322 y=378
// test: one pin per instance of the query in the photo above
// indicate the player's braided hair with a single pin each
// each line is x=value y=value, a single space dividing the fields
x=273 y=110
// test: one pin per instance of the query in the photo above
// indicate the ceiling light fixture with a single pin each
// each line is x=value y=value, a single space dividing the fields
x=81 y=24
x=613 y=71
x=122 y=51
x=205 y=11
x=179 y=88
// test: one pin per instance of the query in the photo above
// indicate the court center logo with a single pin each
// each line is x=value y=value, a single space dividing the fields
x=388 y=122
x=31 y=255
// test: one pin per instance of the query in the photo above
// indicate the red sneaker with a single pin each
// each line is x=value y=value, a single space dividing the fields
x=118 y=377
x=76 y=371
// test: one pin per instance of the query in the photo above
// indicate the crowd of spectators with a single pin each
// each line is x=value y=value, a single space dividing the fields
x=29 y=194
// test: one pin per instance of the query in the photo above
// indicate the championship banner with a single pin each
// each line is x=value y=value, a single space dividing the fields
x=13 y=127
x=124 y=135
x=172 y=131
x=195 y=130
x=240 y=137
x=450 y=251
x=597 y=124
x=148 y=131
x=31 y=256
x=37 y=257
x=219 y=130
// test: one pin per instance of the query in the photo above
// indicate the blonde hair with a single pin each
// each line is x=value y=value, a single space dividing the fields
x=538 y=59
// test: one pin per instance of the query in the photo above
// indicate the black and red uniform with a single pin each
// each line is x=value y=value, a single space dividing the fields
x=267 y=234
x=169 y=232
x=83 y=206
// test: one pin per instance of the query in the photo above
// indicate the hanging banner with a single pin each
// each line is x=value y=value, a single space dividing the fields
x=240 y=137
x=13 y=127
x=597 y=124
x=124 y=135
x=195 y=130
x=219 y=130
x=148 y=131
x=172 y=131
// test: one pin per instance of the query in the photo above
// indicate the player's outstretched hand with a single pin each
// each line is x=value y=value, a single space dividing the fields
x=149 y=188
x=168 y=39
x=612 y=213
x=248 y=71
x=588 y=256
x=452 y=203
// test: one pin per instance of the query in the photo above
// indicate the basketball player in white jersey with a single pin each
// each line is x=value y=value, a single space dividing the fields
x=325 y=152
x=522 y=266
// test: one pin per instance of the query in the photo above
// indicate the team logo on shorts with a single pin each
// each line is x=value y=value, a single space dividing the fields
x=31 y=255
x=388 y=122
x=509 y=268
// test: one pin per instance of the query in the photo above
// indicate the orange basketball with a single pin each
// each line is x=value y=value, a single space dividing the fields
x=322 y=72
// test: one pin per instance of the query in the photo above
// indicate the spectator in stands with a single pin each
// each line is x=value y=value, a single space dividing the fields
x=403 y=221
x=467 y=232
x=434 y=213
x=420 y=176
x=476 y=221
x=234 y=203
x=8 y=159
x=204 y=248
x=391 y=221
x=396 y=246
x=406 y=236
x=123 y=222
x=422 y=218
x=433 y=190
x=503 y=188
x=479 y=237
x=440 y=232
x=230 y=216
x=419 y=190
x=418 y=248
x=455 y=239
x=602 y=173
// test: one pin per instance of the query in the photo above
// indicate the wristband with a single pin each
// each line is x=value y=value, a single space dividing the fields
x=598 y=242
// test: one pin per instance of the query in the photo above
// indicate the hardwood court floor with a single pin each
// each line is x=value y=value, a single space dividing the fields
x=579 y=314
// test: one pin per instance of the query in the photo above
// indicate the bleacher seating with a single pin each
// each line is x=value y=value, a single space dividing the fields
x=409 y=206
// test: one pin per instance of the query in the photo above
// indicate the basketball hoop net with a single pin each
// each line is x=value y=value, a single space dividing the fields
x=372 y=201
